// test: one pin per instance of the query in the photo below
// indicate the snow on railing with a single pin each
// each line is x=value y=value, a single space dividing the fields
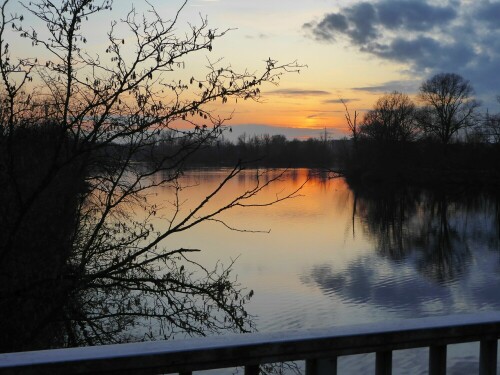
x=318 y=347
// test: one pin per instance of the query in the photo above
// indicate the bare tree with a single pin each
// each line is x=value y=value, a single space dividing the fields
x=73 y=125
x=449 y=105
x=392 y=119
x=492 y=126
x=351 y=123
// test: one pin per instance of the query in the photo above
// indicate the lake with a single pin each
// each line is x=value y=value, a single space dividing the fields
x=339 y=255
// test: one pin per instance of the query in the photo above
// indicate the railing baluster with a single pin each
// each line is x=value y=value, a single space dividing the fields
x=383 y=363
x=252 y=370
x=488 y=357
x=323 y=366
x=437 y=360
x=327 y=366
x=311 y=366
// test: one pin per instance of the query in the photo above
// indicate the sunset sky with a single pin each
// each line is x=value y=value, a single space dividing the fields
x=355 y=50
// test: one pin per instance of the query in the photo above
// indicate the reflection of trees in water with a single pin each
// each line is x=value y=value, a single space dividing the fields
x=437 y=226
x=444 y=246
x=385 y=215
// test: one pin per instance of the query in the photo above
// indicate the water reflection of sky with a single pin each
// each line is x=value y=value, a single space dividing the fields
x=335 y=256
x=406 y=254
x=398 y=288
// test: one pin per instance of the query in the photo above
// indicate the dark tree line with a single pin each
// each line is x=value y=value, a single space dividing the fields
x=440 y=138
x=258 y=150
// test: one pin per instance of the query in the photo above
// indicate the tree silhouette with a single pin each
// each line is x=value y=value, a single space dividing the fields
x=449 y=105
x=352 y=123
x=492 y=126
x=391 y=120
x=74 y=123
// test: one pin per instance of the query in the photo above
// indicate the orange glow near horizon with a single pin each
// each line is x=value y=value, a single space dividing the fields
x=305 y=114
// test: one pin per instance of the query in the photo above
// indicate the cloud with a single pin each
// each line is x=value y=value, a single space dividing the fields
x=408 y=86
x=364 y=21
x=428 y=37
x=331 y=23
x=261 y=36
x=323 y=115
x=297 y=92
x=413 y=15
x=339 y=101
x=489 y=13
x=426 y=53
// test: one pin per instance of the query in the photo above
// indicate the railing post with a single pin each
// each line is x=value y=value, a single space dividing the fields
x=311 y=366
x=383 y=363
x=488 y=357
x=323 y=366
x=252 y=370
x=437 y=360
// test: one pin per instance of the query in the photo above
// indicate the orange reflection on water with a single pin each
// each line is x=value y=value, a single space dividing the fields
x=318 y=220
x=307 y=187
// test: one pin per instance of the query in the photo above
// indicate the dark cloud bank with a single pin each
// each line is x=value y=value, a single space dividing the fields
x=449 y=36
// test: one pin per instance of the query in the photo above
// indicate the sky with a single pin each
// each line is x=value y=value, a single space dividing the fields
x=354 y=50
x=357 y=51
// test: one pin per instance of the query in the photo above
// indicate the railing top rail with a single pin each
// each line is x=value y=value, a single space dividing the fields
x=246 y=349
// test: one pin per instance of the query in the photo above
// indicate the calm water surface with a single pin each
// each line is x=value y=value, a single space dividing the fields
x=337 y=256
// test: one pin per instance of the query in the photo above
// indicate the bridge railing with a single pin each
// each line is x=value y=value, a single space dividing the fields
x=320 y=348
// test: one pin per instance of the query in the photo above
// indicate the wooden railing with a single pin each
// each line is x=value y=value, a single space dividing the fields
x=319 y=348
